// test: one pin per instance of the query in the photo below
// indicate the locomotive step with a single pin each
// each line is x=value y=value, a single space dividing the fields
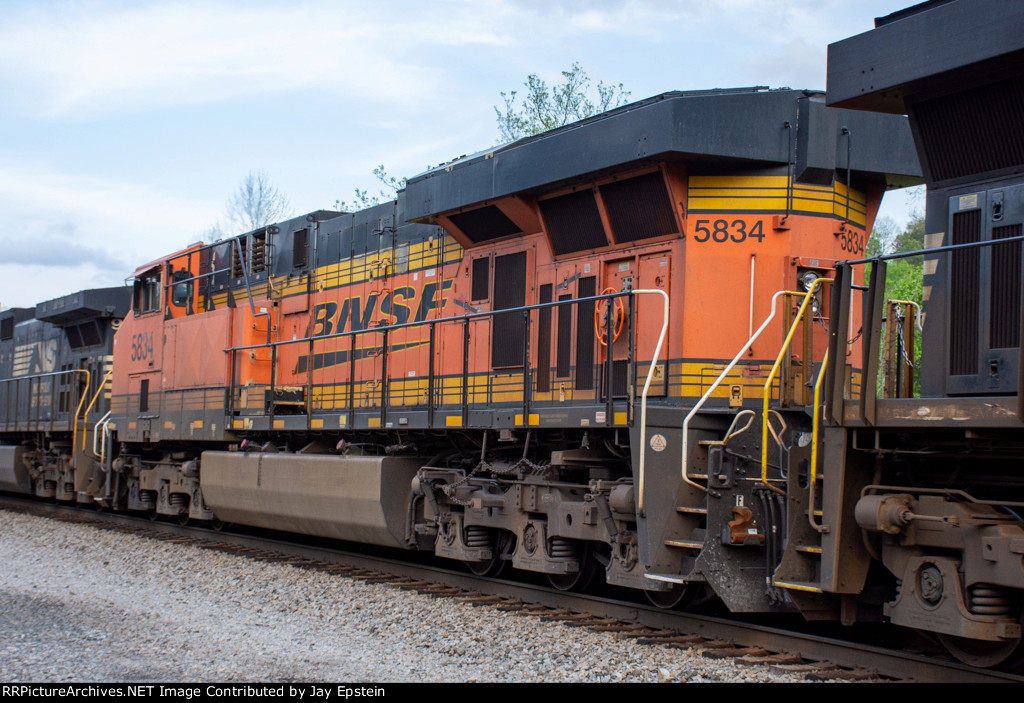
x=667 y=578
x=808 y=587
x=691 y=511
x=684 y=544
x=806 y=549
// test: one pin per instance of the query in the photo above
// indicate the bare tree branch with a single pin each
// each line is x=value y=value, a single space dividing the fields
x=256 y=203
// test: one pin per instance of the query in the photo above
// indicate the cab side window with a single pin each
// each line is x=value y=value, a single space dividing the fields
x=181 y=293
x=147 y=293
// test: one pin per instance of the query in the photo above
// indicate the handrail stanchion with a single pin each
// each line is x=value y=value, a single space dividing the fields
x=643 y=395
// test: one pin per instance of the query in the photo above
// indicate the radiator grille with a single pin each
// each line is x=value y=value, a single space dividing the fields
x=639 y=208
x=573 y=222
x=974 y=131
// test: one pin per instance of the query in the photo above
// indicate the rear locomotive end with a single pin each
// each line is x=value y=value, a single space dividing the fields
x=936 y=475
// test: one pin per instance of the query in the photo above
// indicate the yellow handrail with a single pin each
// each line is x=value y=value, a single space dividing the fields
x=78 y=410
x=95 y=397
x=808 y=296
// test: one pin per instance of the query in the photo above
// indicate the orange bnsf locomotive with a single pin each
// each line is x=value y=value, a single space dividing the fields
x=600 y=352
x=507 y=364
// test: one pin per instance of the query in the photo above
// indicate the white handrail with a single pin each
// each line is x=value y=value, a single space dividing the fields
x=643 y=395
x=96 y=431
x=721 y=377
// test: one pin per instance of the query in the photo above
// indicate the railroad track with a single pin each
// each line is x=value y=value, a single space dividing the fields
x=815 y=657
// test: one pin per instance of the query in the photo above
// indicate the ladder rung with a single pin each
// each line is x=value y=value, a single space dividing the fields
x=668 y=578
x=797 y=586
x=808 y=550
x=684 y=544
x=693 y=511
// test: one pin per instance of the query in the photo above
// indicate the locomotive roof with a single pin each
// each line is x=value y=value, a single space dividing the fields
x=957 y=69
x=730 y=125
x=933 y=48
x=96 y=302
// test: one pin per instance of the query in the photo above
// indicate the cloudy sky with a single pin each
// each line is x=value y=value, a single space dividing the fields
x=128 y=124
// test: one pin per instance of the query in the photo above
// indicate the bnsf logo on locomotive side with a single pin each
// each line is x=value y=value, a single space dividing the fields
x=396 y=307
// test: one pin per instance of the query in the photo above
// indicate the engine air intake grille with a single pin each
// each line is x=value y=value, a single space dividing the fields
x=585 y=335
x=963 y=295
x=573 y=222
x=481 y=273
x=509 y=292
x=1004 y=329
x=639 y=208
x=544 y=340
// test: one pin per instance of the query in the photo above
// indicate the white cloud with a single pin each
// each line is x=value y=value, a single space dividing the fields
x=97 y=59
x=69 y=232
x=796 y=63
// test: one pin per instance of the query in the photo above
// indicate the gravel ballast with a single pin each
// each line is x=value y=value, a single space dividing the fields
x=84 y=604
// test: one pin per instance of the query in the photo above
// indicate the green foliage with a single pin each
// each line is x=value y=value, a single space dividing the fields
x=363 y=199
x=544 y=108
x=904 y=278
x=911 y=238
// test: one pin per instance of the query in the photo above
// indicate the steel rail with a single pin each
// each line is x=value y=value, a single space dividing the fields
x=889 y=663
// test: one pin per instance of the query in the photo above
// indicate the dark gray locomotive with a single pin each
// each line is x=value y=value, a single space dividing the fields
x=56 y=367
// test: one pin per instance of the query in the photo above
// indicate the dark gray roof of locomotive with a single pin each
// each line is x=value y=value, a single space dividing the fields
x=19 y=314
x=96 y=302
x=745 y=124
x=932 y=48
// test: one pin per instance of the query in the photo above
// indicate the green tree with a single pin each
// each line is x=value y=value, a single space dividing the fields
x=904 y=278
x=363 y=199
x=543 y=108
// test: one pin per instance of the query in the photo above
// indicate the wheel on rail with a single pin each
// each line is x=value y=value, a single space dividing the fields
x=502 y=545
x=183 y=518
x=667 y=600
x=984 y=654
x=574 y=580
x=217 y=524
